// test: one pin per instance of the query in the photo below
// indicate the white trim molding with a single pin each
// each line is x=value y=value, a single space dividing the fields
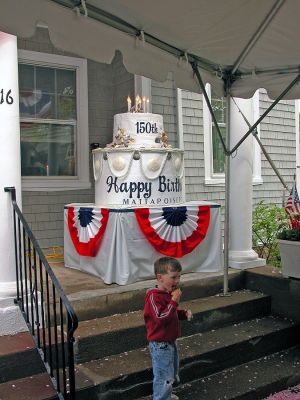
x=142 y=87
x=82 y=180
x=256 y=166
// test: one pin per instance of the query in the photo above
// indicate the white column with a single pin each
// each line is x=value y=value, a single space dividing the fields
x=10 y=159
x=241 y=255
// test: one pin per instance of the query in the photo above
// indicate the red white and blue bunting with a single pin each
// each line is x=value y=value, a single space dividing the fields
x=174 y=231
x=87 y=226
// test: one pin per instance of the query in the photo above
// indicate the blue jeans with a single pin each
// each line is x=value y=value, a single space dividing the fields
x=165 y=364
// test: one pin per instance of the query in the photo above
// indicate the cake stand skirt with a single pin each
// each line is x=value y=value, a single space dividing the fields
x=125 y=256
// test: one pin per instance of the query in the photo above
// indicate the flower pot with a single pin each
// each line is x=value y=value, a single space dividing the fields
x=290 y=258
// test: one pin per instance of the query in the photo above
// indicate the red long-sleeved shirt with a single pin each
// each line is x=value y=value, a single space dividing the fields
x=162 y=316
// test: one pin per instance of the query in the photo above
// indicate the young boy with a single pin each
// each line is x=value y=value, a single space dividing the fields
x=162 y=317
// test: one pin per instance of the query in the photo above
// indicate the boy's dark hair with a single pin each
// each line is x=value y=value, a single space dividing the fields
x=165 y=264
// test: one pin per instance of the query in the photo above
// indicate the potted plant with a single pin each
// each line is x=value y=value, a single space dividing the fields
x=289 y=245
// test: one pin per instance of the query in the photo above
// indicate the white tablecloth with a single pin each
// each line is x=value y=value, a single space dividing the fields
x=125 y=255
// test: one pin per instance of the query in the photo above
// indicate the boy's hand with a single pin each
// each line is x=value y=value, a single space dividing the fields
x=189 y=315
x=176 y=294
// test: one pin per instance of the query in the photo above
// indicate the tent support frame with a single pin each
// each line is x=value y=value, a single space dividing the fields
x=265 y=23
x=263 y=149
x=254 y=126
x=229 y=153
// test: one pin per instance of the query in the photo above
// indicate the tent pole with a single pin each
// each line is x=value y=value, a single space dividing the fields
x=227 y=171
x=227 y=197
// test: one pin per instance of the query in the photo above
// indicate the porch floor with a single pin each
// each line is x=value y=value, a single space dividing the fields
x=74 y=281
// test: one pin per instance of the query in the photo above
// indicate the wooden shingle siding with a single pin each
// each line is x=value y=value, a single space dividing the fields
x=278 y=135
x=164 y=102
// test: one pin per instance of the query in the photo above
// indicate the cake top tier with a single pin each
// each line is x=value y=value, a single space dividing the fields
x=139 y=130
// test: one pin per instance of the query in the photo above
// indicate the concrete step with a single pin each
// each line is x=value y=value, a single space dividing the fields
x=251 y=381
x=113 y=334
x=89 y=304
x=18 y=357
x=35 y=387
x=128 y=375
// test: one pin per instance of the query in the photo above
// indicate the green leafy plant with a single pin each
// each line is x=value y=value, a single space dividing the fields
x=268 y=221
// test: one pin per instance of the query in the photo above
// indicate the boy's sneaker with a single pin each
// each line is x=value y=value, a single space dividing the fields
x=174 y=397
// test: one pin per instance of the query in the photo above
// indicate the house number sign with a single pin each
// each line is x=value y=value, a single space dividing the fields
x=6 y=97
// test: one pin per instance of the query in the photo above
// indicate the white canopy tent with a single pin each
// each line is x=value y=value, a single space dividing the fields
x=249 y=43
x=236 y=45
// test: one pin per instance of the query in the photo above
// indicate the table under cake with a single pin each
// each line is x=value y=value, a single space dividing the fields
x=120 y=245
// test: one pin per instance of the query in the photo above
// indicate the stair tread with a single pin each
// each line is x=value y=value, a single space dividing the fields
x=16 y=343
x=112 y=367
x=36 y=387
x=18 y=357
x=135 y=319
x=89 y=304
x=256 y=378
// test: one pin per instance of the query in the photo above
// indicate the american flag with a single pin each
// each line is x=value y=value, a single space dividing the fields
x=292 y=206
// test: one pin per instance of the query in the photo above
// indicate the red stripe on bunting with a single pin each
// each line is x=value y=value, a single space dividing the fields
x=174 y=249
x=89 y=249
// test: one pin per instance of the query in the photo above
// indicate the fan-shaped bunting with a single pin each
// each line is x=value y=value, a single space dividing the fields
x=174 y=231
x=87 y=226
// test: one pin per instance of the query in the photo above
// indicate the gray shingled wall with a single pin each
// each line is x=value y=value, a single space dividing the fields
x=277 y=134
x=107 y=85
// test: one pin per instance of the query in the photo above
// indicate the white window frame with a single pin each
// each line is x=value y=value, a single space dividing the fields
x=219 y=179
x=256 y=166
x=142 y=87
x=82 y=180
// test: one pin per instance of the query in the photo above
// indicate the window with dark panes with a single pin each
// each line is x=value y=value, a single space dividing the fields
x=48 y=121
x=218 y=160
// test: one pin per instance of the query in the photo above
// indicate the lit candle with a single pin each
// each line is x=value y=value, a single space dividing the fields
x=136 y=103
x=144 y=104
x=128 y=103
x=148 y=104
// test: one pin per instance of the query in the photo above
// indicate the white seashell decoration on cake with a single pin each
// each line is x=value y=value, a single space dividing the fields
x=154 y=164
x=178 y=163
x=119 y=164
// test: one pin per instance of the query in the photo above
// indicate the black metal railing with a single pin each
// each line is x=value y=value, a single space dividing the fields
x=45 y=308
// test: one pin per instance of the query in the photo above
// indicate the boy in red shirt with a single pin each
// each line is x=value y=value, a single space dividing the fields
x=162 y=317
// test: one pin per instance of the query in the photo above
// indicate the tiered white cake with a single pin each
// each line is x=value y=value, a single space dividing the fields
x=138 y=168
